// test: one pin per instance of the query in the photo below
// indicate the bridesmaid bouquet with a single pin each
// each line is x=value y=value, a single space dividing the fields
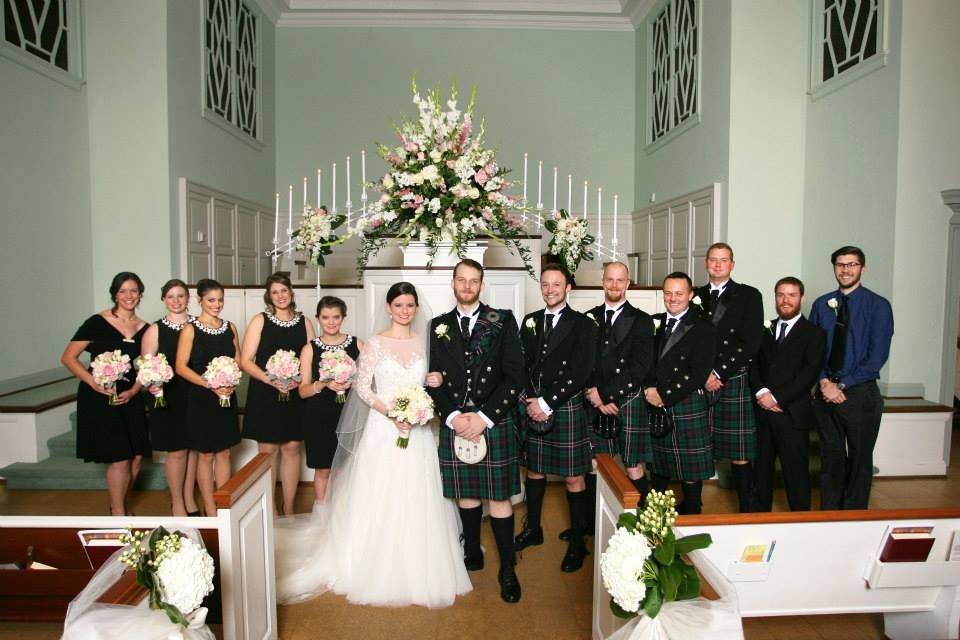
x=223 y=371
x=337 y=366
x=413 y=406
x=284 y=366
x=108 y=368
x=154 y=371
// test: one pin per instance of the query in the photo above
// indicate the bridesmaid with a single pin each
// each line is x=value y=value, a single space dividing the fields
x=322 y=410
x=274 y=424
x=115 y=434
x=211 y=429
x=168 y=428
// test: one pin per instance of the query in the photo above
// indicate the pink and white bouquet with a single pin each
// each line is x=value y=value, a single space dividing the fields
x=412 y=405
x=315 y=234
x=571 y=239
x=337 y=366
x=153 y=371
x=222 y=371
x=284 y=366
x=109 y=367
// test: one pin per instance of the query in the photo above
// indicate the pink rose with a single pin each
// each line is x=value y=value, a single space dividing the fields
x=481 y=177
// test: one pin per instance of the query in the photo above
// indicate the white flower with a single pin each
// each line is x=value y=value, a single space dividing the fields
x=621 y=566
x=696 y=300
x=435 y=155
x=434 y=206
x=833 y=304
x=531 y=324
x=474 y=193
x=186 y=577
x=441 y=331
x=590 y=315
x=387 y=181
x=430 y=172
x=656 y=324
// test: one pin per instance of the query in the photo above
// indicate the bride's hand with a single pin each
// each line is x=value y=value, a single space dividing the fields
x=401 y=426
x=434 y=379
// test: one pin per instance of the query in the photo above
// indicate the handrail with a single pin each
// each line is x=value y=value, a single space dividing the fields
x=229 y=493
x=790 y=517
x=622 y=488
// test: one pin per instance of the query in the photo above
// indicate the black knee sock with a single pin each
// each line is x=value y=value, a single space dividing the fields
x=643 y=486
x=578 y=515
x=503 y=534
x=536 y=487
x=591 y=499
x=692 y=503
x=471 y=530
x=743 y=483
x=659 y=482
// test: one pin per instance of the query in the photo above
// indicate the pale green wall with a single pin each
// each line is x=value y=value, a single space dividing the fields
x=565 y=97
x=45 y=211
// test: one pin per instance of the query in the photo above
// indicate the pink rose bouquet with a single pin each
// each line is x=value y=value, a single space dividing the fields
x=153 y=371
x=411 y=405
x=222 y=371
x=337 y=366
x=108 y=368
x=284 y=366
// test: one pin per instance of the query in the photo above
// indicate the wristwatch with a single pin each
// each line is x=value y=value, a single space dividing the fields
x=836 y=381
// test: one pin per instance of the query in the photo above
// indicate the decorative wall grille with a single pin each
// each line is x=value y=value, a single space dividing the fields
x=232 y=65
x=38 y=27
x=850 y=35
x=675 y=69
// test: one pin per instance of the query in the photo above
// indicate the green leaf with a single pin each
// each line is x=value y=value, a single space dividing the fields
x=689 y=582
x=664 y=552
x=619 y=611
x=627 y=519
x=670 y=581
x=687 y=544
x=174 y=614
x=654 y=600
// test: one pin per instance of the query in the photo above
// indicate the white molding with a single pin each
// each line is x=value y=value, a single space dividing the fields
x=818 y=88
x=271 y=9
x=457 y=6
x=75 y=78
x=901 y=389
x=947 y=391
x=457 y=20
x=637 y=11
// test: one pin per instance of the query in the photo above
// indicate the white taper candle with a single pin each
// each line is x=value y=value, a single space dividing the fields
x=319 y=190
x=524 y=178
x=304 y=190
x=276 y=221
x=289 y=219
x=599 y=213
x=348 y=183
x=554 y=188
x=570 y=193
x=540 y=185
x=334 y=183
x=585 y=184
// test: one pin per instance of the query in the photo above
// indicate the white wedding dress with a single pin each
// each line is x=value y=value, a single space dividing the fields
x=386 y=536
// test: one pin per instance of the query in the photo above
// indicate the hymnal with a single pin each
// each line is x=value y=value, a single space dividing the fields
x=907 y=544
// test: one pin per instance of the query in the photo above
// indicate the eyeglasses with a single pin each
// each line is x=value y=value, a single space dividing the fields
x=846 y=265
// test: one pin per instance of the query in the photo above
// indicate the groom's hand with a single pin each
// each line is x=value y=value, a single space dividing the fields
x=475 y=427
x=434 y=379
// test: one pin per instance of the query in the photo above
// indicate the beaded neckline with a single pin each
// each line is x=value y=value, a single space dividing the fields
x=286 y=324
x=333 y=347
x=207 y=330
x=176 y=327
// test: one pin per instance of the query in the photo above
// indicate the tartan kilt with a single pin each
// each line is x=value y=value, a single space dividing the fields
x=686 y=453
x=496 y=477
x=565 y=450
x=733 y=424
x=633 y=440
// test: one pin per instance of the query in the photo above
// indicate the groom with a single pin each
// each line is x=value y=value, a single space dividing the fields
x=477 y=351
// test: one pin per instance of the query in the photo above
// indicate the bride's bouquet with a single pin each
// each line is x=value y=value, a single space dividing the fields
x=109 y=367
x=337 y=366
x=284 y=366
x=412 y=405
x=153 y=371
x=222 y=371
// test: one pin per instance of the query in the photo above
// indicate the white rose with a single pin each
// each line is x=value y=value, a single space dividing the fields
x=430 y=172
x=435 y=155
x=656 y=324
x=474 y=193
x=832 y=303
x=387 y=181
x=434 y=205
x=696 y=300
x=530 y=324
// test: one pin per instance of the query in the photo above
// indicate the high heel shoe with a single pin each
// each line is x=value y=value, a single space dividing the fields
x=194 y=514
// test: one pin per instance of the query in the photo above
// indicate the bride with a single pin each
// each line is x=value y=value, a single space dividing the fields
x=386 y=535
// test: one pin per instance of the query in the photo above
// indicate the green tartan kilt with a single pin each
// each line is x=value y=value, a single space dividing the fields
x=686 y=452
x=496 y=477
x=733 y=424
x=632 y=443
x=565 y=449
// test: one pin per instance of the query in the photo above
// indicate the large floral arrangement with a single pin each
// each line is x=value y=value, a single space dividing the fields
x=571 y=239
x=223 y=372
x=283 y=366
x=153 y=371
x=177 y=571
x=412 y=405
x=315 y=234
x=337 y=366
x=442 y=186
x=643 y=567
x=108 y=368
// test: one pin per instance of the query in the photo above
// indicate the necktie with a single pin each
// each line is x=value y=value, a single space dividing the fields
x=667 y=330
x=609 y=322
x=839 y=345
x=783 y=332
x=465 y=328
x=714 y=298
x=548 y=326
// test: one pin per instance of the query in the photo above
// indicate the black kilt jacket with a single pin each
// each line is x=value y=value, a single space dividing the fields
x=738 y=319
x=791 y=369
x=560 y=369
x=683 y=363
x=485 y=375
x=623 y=357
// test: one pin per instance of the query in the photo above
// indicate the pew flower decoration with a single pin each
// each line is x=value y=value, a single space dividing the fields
x=284 y=367
x=441 y=187
x=571 y=239
x=337 y=366
x=108 y=368
x=222 y=372
x=643 y=568
x=315 y=234
x=153 y=371
x=177 y=571
x=412 y=405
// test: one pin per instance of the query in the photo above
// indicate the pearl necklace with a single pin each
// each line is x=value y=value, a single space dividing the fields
x=286 y=324
x=333 y=347
x=209 y=331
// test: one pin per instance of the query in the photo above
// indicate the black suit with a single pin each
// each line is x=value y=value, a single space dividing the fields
x=738 y=318
x=789 y=370
x=560 y=369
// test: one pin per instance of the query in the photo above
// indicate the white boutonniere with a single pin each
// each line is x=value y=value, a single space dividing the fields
x=697 y=301
x=442 y=332
x=590 y=315
x=770 y=325
x=531 y=325
x=656 y=325
x=833 y=304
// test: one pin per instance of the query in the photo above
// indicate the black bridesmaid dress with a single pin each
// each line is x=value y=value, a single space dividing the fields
x=210 y=427
x=322 y=411
x=168 y=424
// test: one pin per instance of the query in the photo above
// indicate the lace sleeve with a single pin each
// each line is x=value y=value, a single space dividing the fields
x=366 y=365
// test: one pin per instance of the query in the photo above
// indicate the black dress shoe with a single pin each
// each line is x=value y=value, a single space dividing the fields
x=565 y=534
x=509 y=586
x=528 y=538
x=573 y=559
x=473 y=563
x=193 y=514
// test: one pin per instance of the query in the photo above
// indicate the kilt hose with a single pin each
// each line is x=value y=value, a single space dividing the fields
x=632 y=441
x=496 y=477
x=686 y=453
x=733 y=424
x=565 y=449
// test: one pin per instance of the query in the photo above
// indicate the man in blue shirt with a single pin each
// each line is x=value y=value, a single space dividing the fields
x=848 y=405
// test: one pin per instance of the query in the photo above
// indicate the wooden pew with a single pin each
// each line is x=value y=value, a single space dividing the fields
x=239 y=537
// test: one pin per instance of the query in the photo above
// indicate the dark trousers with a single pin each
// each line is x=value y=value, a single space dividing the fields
x=779 y=435
x=848 y=432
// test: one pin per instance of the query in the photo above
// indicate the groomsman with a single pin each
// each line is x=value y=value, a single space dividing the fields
x=783 y=374
x=624 y=355
x=477 y=351
x=684 y=345
x=736 y=310
x=848 y=405
x=558 y=348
